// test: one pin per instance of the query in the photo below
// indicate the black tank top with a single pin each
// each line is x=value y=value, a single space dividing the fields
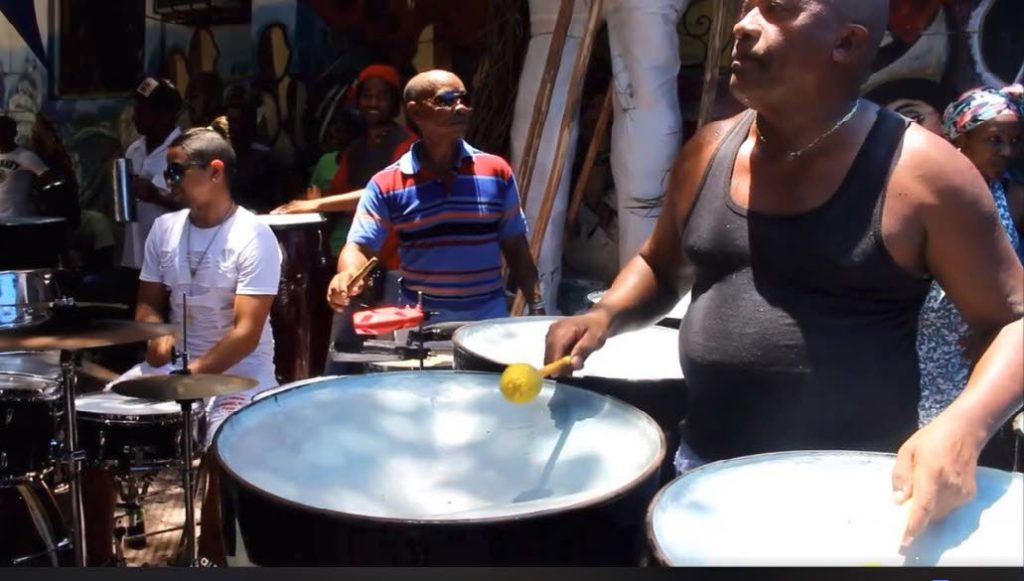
x=802 y=329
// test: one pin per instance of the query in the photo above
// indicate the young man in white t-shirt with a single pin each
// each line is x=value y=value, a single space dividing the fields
x=19 y=169
x=228 y=263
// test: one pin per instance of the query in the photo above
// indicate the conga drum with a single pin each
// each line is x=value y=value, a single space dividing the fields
x=826 y=509
x=437 y=468
x=674 y=318
x=300 y=317
x=641 y=367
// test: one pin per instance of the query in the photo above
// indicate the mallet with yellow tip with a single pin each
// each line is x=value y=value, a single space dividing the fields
x=521 y=382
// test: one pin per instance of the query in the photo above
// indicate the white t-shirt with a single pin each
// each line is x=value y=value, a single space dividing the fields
x=17 y=168
x=150 y=166
x=243 y=259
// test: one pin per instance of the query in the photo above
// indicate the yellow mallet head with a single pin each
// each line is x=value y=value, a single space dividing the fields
x=520 y=383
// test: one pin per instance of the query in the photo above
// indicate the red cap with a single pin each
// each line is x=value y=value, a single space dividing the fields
x=387 y=73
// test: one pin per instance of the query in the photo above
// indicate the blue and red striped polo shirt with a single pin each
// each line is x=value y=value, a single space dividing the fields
x=449 y=230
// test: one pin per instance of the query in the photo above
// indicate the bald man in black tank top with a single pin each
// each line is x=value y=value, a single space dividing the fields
x=808 y=229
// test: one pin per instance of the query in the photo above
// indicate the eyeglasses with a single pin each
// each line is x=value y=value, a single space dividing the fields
x=175 y=172
x=448 y=99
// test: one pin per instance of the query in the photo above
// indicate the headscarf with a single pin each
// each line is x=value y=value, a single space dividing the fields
x=978 y=106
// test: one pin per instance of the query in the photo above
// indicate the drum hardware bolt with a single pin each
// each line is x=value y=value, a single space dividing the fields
x=3 y=460
x=8 y=417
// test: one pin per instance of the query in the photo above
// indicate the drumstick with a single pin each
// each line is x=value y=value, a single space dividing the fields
x=365 y=270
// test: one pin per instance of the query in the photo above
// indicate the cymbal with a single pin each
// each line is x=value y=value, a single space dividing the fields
x=99 y=333
x=182 y=387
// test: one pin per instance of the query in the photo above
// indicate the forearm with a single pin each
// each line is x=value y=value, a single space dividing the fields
x=353 y=257
x=346 y=202
x=637 y=298
x=231 y=349
x=522 y=269
x=995 y=390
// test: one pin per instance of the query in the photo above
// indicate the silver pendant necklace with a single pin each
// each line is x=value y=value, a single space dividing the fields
x=193 y=269
x=792 y=155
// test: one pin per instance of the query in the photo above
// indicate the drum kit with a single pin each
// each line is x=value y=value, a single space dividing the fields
x=48 y=431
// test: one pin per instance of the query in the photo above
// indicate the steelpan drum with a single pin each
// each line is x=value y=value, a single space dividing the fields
x=25 y=296
x=641 y=367
x=437 y=468
x=826 y=509
x=673 y=319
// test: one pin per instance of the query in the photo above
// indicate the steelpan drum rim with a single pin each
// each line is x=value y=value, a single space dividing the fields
x=458 y=344
x=652 y=539
x=647 y=473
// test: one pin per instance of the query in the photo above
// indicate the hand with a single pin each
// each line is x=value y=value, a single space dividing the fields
x=158 y=352
x=577 y=336
x=297 y=207
x=338 y=293
x=935 y=471
x=313 y=193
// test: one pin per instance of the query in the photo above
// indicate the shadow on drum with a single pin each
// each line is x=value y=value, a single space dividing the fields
x=951 y=532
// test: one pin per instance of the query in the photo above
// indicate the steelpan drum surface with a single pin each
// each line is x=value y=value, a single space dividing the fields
x=644 y=355
x=438 y=468
x=672 y=319
x=640 y=367
x=826 y=509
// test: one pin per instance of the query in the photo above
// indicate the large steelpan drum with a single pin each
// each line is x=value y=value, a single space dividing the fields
x=674 y=318
x=826 y=509
x=25 y=297
x=641 y=367
x=300 y=317
x=437 y=468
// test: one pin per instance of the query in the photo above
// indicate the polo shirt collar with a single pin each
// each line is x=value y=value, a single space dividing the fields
x=409 y=164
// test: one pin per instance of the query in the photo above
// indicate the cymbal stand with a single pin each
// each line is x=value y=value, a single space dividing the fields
x=73 y=457
x=186 y=467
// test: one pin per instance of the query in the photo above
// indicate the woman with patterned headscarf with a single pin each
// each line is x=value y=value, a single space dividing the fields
x=985 y=125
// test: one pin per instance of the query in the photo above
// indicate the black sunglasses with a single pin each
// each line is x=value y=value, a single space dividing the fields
x=449 y=99
x=175 y=172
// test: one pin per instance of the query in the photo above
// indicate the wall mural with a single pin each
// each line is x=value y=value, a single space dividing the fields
x=296 y=57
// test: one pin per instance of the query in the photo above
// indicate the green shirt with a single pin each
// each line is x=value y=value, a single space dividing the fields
x=324 y=171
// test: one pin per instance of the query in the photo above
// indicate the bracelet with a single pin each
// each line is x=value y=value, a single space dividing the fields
x=537 y=306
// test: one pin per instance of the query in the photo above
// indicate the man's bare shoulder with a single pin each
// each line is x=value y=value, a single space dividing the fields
x=933 y=172
x=696 y=154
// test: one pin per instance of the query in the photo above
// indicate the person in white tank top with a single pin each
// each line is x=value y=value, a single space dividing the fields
x=215 y=267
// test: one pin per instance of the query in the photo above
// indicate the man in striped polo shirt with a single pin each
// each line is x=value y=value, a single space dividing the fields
x=455 y=209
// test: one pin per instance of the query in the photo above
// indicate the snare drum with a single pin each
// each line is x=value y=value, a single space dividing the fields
x=674 y=318
x=437 y=468
x=30 y=414
x=130 y=434
x=641 y=367
x=826 y=509
x=300 y=317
